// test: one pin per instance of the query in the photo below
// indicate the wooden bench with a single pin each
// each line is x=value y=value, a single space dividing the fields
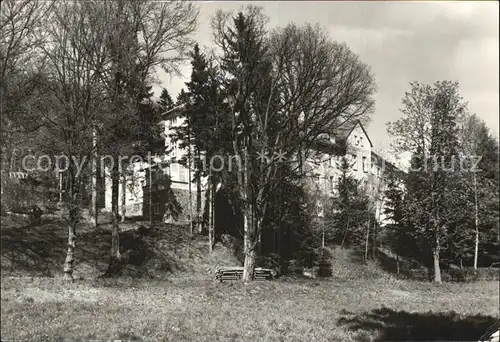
x=236 y=273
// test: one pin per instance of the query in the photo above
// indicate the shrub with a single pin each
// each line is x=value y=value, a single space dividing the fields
x=325 y=264
x=484 y=273
x=234 y=245
x=469 y=274
x=325 y=268
x=295 y=266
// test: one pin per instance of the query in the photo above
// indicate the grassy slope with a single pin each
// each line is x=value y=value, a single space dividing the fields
x=359 y=303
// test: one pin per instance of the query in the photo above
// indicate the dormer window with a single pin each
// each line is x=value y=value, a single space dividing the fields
x=361 y=141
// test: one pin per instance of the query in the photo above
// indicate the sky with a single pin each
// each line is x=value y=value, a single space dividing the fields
x=401 y=42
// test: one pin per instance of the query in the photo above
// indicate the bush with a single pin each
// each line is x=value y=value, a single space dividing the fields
x=295 y=266
x=325 y=268
x=469 y=274
x=234 y=245
x=325 y=264
x=271 y=261
x=421 y=274
x=485 y=273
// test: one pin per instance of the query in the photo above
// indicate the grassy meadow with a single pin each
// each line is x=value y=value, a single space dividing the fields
x=168 y=292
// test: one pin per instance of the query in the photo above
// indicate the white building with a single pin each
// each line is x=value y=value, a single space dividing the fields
x=351 y=140
x=145 y=189
x=367 y=166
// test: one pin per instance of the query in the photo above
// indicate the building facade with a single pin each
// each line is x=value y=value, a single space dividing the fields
x=149 y=192
x=151 y=186
x=368 y=167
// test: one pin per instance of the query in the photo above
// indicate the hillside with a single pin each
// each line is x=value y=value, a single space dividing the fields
x=156 y=252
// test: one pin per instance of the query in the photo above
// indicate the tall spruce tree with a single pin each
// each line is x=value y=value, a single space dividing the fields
x=165 y=102
x=393 y=210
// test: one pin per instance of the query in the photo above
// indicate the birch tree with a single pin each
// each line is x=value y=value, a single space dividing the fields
x=141 y=37
x=429 y=130
x=74 y=97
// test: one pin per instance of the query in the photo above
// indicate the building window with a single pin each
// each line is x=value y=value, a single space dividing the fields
x=355 y=162
x=182 y=174
x=356 y=140
x=365 y=166
x=361 y=141
x=174 y=171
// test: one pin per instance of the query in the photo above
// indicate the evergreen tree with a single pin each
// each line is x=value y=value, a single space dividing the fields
x=349 y=215
x=165 y=102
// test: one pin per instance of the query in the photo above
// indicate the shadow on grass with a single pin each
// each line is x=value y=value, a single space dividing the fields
x=40 y=249
x=391 y=325
x=33 y=247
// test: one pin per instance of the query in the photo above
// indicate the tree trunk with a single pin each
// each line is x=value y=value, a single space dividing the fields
x=437 y=268
x=150 y=193
x=115 y=226
x=73 y=217
x=190 y=192
x=209 y=211
x=60 y=203
x=249 y=248
x=367 y=238
x=476 y=222
x=322 y=238
x=93 y=203
x=345 y=233
x=69 y=261
x=124 y=197
x=397 y=263
x=212 y=198
x=198 y=202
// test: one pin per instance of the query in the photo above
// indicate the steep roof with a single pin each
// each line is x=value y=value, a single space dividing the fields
x=172 y=113
x=344 y=131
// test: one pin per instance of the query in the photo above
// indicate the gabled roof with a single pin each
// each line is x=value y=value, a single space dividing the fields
x=344 y=131
x=172 y=113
